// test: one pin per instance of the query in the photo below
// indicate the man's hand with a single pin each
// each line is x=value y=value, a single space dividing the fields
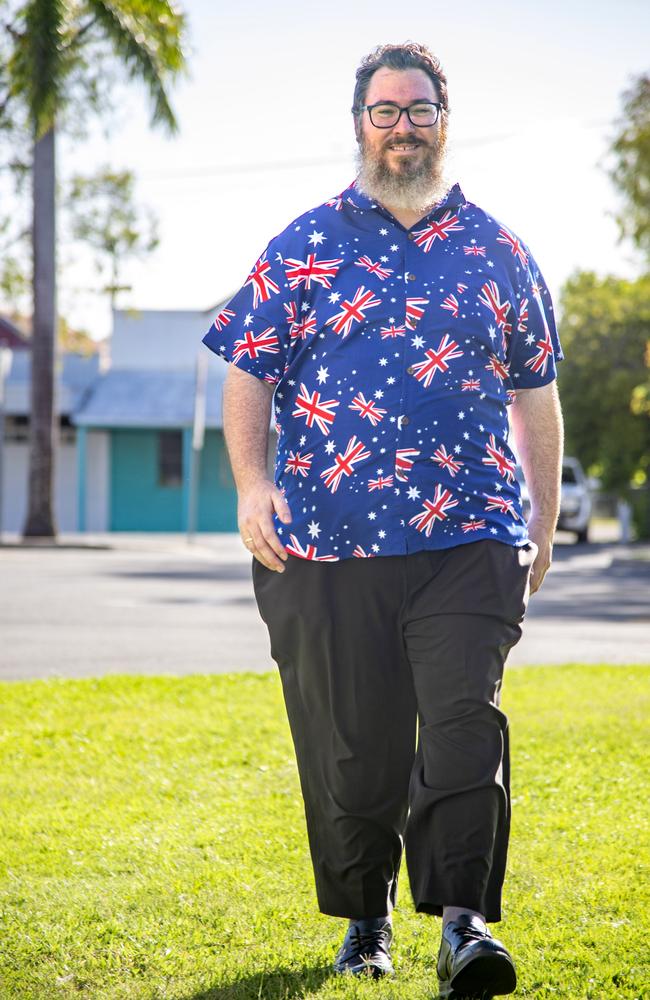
x=542 y=536
x=257 y=504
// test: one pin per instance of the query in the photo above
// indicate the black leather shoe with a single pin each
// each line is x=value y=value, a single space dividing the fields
x=366 y=949
x=472 y=965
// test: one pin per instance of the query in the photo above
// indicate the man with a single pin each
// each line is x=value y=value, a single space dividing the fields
x=396 y=327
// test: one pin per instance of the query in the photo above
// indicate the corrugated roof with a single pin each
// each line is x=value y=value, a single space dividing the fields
x=137 y=398
x=76 y=375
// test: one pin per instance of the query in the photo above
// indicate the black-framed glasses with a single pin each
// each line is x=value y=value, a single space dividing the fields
x=386 y=114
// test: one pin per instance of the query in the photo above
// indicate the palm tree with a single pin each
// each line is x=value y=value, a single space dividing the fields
x=50 y=41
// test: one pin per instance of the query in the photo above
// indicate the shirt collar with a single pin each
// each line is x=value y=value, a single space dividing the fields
x=357 y=199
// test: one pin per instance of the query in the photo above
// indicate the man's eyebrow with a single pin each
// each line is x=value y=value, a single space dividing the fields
x=416 y=100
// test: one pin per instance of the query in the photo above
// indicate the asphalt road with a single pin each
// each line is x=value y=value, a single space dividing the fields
x=152 y=604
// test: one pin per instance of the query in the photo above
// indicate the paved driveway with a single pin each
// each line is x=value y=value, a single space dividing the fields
x=153 y=604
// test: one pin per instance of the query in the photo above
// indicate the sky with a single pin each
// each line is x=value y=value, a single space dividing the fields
x=266 y=133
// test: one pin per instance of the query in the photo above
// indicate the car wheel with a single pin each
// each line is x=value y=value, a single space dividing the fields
x=582 y=536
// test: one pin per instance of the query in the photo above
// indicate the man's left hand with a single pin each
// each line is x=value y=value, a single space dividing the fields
x=542 y=535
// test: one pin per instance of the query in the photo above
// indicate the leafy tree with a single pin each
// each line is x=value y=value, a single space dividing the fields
x=605 y=333
x=57 y=51
x=104 y=217
x=631 y=173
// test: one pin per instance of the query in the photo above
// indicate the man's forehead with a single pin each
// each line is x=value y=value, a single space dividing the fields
x=386 y=83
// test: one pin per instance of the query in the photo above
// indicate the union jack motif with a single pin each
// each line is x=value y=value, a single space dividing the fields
x=223 y=319
x=539 y=361
x=446 y=461
x=310 y=406
x=335 y=203
x=353 y=312
x=298 y=464
x=475 y=251
x=490 y=297
x=498 y=368
x=264 y=343
x=436 y=360
x=470 y=385
x=392 y=331
x=291 y=310
x=437 y=231
x=273 y=379
x=361 y=553
x=303 y=272
x=450 y=303
x=511 y=241
x=404 y=458
x=380 y=483
x=367 y=408
x=304 y=326
x=501 y=504
x=473 y=525
x=523 y=316
x=378 y=269
x=307 y=552
x=496 y=457
x=434 y=510
x=415 y=311
x=344 y=464
x=262 y=284
x=511 y=395
x=460 y=288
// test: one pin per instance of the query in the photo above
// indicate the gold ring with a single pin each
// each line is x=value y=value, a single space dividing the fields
x=248 y=539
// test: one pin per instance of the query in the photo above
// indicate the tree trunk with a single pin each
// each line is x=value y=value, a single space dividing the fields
x=43 y=430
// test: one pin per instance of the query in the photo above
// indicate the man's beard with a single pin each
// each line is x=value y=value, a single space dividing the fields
x=409 y=186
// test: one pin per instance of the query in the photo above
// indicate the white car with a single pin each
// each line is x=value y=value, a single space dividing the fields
x=576 y=501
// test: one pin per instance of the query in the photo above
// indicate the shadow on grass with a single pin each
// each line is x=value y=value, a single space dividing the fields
x=278 y=984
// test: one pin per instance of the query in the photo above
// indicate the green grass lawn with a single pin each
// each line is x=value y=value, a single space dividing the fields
x=152 y=844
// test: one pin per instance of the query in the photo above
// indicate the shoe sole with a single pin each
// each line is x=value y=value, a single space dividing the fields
x=485 y=977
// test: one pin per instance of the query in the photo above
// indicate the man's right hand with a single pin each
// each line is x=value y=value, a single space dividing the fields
x=256 y=506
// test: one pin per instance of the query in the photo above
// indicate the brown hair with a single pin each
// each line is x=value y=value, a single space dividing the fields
x=410 y=55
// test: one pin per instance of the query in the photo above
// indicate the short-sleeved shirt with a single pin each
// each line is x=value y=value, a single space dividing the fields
x=394 y=354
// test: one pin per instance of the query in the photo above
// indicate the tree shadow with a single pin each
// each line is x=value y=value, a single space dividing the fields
x=276 y=984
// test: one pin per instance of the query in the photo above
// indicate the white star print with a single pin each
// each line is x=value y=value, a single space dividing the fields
x=372 y=515
x=413 y=493
x=375 y=547
x=322 y=375
x=383 y=232
x=417 y=341
x=316 y=238
x=330 y=447
x=334 y=296
x=381 y=534
x=314 y=529
x=248 y=319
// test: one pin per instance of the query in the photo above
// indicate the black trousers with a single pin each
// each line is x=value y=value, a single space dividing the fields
x=369 y=651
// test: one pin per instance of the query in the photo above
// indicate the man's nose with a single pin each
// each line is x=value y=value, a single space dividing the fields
x=404 y=123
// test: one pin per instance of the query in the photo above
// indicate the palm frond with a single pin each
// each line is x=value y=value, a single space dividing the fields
x=147 y=36
x=38 y=64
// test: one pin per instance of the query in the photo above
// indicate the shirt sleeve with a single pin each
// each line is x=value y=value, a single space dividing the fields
x=250 y=331
x=534 y=348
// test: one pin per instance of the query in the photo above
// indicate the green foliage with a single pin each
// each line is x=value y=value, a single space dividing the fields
x=154 y=844
x=605 y=330
x=631 y=174
x=104 y=217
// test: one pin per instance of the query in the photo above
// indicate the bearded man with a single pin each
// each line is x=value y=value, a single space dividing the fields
x=393 y=329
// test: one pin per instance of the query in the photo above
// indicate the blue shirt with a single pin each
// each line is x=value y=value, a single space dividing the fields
x=394 y=354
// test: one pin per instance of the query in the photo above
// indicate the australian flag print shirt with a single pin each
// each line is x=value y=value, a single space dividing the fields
x=394 y=354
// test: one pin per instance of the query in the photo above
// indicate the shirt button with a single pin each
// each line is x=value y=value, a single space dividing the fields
x=410 y=277
x=411 y=236
x=404 y=421
x=410 y=370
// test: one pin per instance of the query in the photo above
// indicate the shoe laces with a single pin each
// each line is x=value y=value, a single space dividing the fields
x=371 y=940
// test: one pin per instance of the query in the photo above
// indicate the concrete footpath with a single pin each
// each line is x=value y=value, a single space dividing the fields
x=153 y=604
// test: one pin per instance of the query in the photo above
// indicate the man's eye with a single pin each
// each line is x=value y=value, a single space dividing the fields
x=385 y=111
x=421 y=110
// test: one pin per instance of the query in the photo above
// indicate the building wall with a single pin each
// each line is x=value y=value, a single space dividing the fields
x=139 y=503
x=98 y=472
x=15 y=476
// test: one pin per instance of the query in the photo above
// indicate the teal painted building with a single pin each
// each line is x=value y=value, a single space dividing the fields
x=134 y=432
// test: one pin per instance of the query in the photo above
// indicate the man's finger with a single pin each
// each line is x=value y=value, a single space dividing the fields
x=281 y=506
